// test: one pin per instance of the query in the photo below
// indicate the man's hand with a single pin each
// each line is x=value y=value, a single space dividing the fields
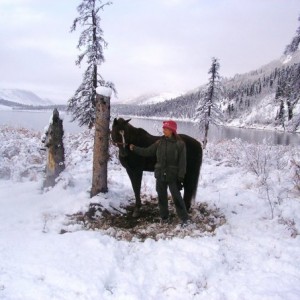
x=131 y=147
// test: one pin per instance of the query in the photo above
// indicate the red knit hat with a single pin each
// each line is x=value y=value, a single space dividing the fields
x=170 y=125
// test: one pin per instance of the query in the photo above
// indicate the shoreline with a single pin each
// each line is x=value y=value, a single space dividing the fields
x=262 y=128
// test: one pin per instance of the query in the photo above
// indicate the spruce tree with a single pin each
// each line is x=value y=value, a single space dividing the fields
x=207 y=110
x=91 y=43
x=281 y=114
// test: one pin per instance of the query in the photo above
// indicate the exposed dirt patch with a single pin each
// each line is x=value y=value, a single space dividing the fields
x=123 y=226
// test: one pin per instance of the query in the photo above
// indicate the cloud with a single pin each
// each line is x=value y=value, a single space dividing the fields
x=16 y=17
x=159 y=45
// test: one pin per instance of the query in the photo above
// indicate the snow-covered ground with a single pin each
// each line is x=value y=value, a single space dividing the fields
x=251 y=256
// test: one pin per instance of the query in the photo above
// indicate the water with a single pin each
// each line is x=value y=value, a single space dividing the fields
x=38 y=120
x=220 y=133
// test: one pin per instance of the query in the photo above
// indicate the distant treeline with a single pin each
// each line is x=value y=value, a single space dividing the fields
x=242 y=95
x=16 y=105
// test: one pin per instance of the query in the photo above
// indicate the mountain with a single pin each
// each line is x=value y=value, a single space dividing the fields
x=268 y=97
x=152 y=98
x=21 y=98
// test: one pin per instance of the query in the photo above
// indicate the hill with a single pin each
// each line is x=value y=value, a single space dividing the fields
x=151 y=98
x=12 y=98
x=265 y=98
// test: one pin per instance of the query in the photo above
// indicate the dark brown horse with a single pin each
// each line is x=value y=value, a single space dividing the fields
x=123 y=134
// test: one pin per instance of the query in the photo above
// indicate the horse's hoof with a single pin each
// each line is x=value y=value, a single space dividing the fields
x=136 y=212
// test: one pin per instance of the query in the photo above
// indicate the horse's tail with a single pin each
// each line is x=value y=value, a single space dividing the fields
x=194 y=162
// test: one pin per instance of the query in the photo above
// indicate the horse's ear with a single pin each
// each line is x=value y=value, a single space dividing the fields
x=127 y=121
x=115 y=121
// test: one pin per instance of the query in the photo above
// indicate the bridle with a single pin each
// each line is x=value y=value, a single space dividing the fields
x=123 y=143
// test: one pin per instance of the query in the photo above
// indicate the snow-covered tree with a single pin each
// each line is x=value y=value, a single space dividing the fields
x=287 y=95
x=293 y=46
x=281 y=115
x=207 y=110
x=82 y=104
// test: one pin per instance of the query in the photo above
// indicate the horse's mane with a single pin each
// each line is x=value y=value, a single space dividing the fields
x=140 y=136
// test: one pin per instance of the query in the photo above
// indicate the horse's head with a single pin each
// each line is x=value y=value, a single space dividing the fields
x=119 y=135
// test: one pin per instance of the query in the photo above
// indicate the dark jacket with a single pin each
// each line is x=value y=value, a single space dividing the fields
x=171 y=158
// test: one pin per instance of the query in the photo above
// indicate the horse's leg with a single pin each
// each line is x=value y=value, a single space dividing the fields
x=190 y=184
x=136 y=181
x=188 y=195
x=189 y=189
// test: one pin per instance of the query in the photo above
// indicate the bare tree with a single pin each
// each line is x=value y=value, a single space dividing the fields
x=82 y=104
x=207 y=110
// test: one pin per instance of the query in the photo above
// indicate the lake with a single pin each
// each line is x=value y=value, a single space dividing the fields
x=38 y=120
x=218 y=133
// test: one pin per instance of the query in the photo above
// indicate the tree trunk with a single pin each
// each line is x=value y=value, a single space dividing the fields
x=205 y=135
x=290 y=110
x=101 y=144
x=55 y=150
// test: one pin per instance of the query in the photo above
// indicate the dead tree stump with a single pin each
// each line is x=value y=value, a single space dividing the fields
x=53 y=141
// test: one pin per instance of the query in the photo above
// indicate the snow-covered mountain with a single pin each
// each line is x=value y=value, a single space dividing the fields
x=152 y=98
x=23 y=97
x=268 y=97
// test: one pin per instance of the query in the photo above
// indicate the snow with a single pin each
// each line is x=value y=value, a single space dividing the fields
x=4 y=107
x=263 y=113
x=287 y=59
x=104 y=91
x=152 y=98
x=160 y=98
x=290 y=59
x=251 y=256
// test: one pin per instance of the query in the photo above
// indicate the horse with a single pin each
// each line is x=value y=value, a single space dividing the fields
x=123 y=134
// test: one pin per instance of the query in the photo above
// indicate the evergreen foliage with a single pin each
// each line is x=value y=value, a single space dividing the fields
x=82 y=104
x=293 y=46
x=207 y=111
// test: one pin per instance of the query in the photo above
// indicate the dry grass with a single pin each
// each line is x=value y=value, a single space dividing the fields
x=122 y=226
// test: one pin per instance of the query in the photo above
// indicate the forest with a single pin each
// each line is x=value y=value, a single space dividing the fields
x=244 y=98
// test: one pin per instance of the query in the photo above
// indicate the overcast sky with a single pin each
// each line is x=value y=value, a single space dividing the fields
x=154 y=45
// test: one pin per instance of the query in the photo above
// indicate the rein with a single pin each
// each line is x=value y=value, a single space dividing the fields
x=118 y=143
